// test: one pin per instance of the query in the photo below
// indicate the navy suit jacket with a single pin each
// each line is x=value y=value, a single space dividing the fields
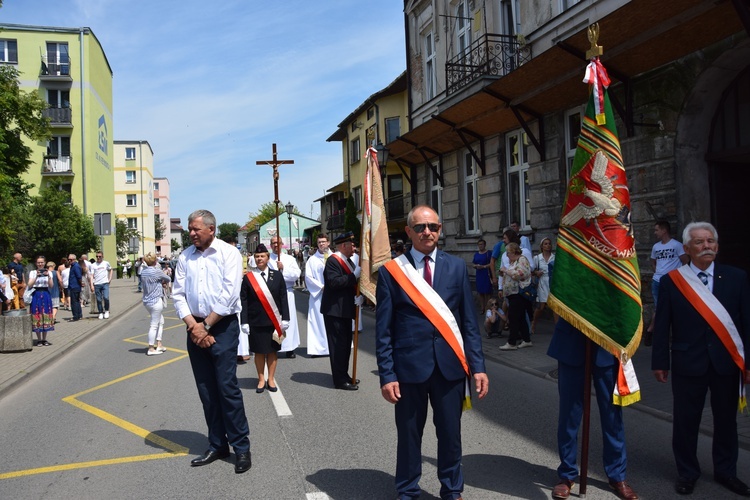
x=253 y=313
x=408 y=347
x=568 y=345
x=694 y=345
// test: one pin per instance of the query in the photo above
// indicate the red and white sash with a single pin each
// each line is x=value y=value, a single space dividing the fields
x=434 y=308
x=269 y=305
x=343 y=262
x=717 y=317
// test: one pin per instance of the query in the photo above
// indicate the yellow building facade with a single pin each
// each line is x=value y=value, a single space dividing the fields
x=134 y=193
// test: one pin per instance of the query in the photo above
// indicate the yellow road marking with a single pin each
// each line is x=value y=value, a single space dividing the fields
x=175 y=450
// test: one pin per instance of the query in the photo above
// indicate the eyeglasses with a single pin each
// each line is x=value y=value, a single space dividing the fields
x=434 y=227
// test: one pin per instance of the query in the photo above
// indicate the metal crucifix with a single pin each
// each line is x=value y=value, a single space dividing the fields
x=275 y=164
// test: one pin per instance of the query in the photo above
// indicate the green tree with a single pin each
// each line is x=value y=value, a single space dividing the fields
x=123 y=234
x=186 y=239
x=351 y=222
x=175 y=245
x=267 y=212
x=20 y=116
x=160 y=230
x=228 y=231
x=52 y=226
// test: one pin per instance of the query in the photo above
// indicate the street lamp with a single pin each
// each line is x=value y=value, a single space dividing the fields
x=382 y=153
x=289 y=211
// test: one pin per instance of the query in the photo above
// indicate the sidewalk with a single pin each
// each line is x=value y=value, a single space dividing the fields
x=656 y=398
x=16 y=367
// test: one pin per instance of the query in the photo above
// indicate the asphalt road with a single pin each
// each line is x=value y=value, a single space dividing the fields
x=107 y=421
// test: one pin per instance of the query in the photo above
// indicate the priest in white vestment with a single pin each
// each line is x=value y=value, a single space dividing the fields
x=317 y=343
x=291 y=271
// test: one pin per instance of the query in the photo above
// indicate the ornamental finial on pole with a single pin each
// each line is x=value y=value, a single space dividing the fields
x=595 y=50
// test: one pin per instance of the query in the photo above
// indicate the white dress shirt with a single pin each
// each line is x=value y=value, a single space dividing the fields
x=709 y=272
x=208 y=281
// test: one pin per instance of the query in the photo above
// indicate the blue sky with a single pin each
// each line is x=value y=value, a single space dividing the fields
x=211 y=85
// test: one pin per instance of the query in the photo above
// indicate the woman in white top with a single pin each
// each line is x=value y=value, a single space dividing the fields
x=543 y=261
x=153 y=281
x=41 y=302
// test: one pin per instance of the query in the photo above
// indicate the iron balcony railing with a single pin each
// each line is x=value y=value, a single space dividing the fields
x=58 y=116
x=398 y=207
x=335 y=222
x=57 y=164
x=55 y=66
x=490 y=55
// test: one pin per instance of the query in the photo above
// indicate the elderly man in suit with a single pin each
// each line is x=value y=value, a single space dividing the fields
x=706 y=307
x=424 y=304
x=339 y=307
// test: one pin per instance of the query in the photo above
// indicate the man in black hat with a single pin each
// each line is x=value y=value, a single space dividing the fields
x=339 y=306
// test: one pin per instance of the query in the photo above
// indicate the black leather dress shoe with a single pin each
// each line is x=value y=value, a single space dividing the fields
x=734 y=485
x=346 y=386
x=684 y=486
x=291 y=354
x=243 y=463
x=208 y=457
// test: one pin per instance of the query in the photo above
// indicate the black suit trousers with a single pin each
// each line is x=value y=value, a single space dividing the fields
x=339 y=334
x=689 y=398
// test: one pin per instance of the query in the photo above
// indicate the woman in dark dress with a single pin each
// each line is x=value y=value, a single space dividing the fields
x=258 y=321
x=481 y=263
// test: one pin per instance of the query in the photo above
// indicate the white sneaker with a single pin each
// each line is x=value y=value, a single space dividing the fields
x=101 y=316
x=155 y=352
x=508 y=347
x=106 y=315
x=161 y=349
x=525 y=344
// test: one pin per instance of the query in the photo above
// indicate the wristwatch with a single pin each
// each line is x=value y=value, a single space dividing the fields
x=206 y=325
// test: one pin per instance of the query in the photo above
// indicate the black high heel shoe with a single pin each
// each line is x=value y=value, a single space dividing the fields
x=260 y=390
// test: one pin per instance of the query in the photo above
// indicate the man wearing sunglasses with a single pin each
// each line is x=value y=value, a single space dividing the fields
x=420 y=357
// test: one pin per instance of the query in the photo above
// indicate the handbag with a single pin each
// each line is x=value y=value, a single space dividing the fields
x=28 y=295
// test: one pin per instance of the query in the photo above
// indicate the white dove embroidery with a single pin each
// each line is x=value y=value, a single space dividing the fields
x=604 y=202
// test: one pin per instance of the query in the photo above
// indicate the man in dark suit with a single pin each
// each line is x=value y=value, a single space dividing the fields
x=568 y=347
x=417 y=362
x=702 y=351
x=339 y=307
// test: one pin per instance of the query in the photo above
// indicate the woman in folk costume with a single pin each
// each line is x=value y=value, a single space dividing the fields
x=264 y=316
x=41 y=302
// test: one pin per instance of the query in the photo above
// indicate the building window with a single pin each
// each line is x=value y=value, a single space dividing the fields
x=471 y=198
x=132 y=221
x=517 y=147
x=58 y=98
x=436 y=191
x=572 y=132
x=357 y=195
x=59 y=147
x=130 y=176
x=430 y=78
x=156 y=202
x=354 y=153
x=9 y=51
x=58 y=61
x=156 y=186
x=463 y=27
x=370 y=113
x=392 y=129
x=130 y=153
x=131 y=200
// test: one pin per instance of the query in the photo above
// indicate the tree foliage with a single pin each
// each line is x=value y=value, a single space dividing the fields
x=20 y=116
x=160 y=230
x=175 y=245
x=228 y=231
x=123 y=234
x=52 y=226
x=351 y=222
x=267 y=212
x=186 y=239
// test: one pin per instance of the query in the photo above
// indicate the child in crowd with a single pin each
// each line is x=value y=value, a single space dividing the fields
x=494 y=319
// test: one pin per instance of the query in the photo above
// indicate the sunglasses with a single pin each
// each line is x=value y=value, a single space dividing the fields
x=434 y=227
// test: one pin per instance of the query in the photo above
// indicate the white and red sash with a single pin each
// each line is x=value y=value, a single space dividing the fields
x=269 y=305
x=717 y=317
x=434 y=308
x=343 y=262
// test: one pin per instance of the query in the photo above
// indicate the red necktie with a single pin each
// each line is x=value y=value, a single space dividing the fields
x=427 y=271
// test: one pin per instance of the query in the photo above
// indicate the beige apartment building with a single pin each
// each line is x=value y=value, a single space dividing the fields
x=161 y=210
x=134 y=192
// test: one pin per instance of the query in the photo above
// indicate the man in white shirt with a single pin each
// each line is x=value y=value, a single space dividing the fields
x=206 y=297
x=317 y=343
x=288 y=266
x=100 y=273
x=523 y=240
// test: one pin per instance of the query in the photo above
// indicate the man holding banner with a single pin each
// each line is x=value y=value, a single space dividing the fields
x=597 y=293
x=428 y=345
x=706 y=307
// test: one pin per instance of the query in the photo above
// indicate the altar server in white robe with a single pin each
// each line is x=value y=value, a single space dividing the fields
x=317 y=343
x=291 y=271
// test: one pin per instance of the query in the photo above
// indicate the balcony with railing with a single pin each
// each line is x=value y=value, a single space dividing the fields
x=59 y=117
x=57 y=165
x=335 y=221
x=397 y=207
x=490 y=55
x=55 y=68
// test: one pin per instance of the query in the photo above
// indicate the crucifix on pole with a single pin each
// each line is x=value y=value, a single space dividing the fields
x=275 y=164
